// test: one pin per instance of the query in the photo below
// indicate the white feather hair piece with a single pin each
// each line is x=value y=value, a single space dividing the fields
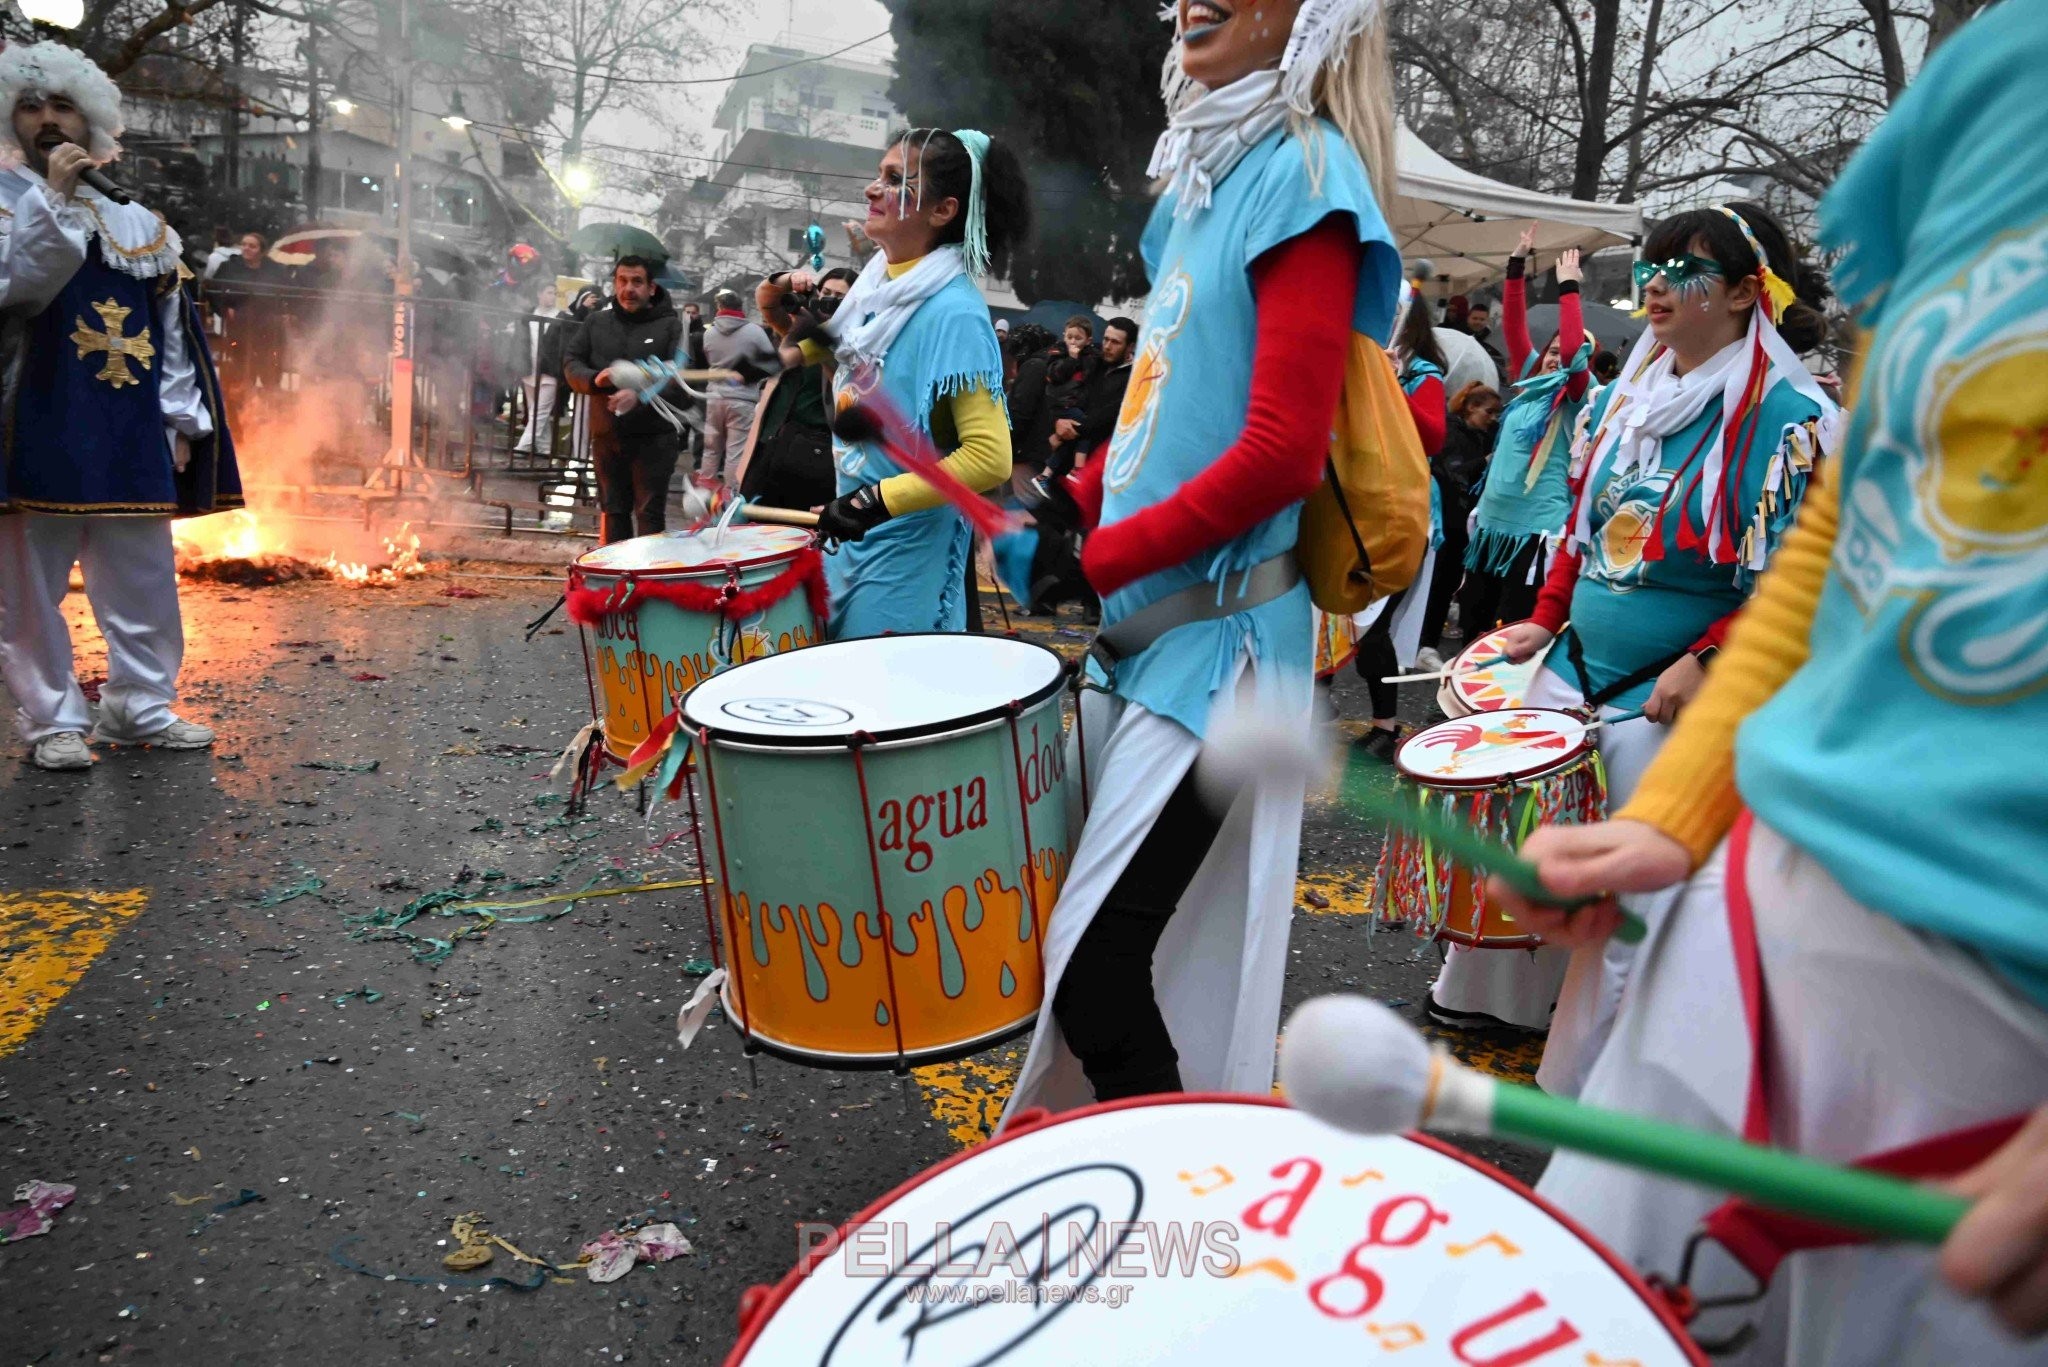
x=1323 y=33
x=54 y=69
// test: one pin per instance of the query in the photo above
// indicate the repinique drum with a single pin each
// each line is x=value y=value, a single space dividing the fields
x=1207 y=1231
x=889 y=823
x=1503 y=773
x=668 y=611
x=1469 y=690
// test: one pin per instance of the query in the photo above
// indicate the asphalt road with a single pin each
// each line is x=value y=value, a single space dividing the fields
x=273 y=1110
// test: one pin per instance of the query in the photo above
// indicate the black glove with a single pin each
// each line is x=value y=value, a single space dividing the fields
x=807 y=328
x=750 y=373
x=852 y=517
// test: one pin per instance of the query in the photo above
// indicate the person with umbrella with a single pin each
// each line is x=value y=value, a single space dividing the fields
x=634 y=448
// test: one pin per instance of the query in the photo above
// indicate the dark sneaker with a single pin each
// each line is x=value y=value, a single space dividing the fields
x=1379 y=743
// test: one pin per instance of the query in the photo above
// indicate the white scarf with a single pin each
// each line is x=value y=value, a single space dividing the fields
x=1651 y=401
x=1209 y=131
x=1210 y=134
x=877 y=307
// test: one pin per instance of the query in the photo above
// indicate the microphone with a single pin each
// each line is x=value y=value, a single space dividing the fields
x=93 y=176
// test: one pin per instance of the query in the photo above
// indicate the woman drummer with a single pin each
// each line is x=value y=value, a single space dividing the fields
x=945 y=207
x=1269 y=254
x=1522 y=509
x=1694 y=463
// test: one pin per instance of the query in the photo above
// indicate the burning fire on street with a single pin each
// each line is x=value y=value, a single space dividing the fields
x=243 y=548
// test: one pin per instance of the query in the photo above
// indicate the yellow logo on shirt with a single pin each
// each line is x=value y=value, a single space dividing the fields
x=1136 y=422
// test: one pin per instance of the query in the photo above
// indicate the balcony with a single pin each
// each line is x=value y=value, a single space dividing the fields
x=761 y=128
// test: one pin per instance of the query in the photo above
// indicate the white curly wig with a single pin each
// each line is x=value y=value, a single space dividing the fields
x=54 y=69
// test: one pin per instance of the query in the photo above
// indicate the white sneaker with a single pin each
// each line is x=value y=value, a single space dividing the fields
x=65 y=750
x=179 y=735
x=1427 y=659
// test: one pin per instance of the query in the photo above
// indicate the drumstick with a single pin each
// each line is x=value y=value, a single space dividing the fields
x=786 y=517
x=1449 y=671
x=1615 y=720
x=1464 y=845
x=1355 y=1064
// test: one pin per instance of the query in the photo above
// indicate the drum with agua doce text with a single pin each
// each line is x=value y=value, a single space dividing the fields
x=656 y=626
x=889 y=834
x=1207 y=1231
x=1504 y=773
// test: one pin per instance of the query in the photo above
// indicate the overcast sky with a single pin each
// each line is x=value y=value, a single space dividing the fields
x=821 y=24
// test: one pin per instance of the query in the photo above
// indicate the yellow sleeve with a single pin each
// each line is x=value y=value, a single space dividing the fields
x=981 y=461
x=814 y=352
x=1689 y=791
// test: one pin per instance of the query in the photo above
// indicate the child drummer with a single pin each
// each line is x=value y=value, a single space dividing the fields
x=1859 y=961
x=1267 y=252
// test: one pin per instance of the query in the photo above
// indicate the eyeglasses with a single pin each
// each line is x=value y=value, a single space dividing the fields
x=1682 y=273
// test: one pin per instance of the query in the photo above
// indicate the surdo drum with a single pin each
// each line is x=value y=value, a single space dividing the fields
x=670 y=610
x=1504 y=773
x=1207 y=1231
x=889 y=834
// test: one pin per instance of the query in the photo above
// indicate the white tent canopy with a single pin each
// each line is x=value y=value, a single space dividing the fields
x=1468 y=224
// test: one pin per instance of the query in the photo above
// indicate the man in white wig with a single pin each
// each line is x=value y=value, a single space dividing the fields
x=111 y=414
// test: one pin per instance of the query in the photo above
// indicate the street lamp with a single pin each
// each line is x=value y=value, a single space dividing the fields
x=341 y=104
x=455 y=118
x=578 y=181
x=56 y=13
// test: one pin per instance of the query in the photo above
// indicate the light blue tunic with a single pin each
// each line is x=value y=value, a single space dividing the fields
x=1190 y=394
x=910 y=573
x=1906 y=754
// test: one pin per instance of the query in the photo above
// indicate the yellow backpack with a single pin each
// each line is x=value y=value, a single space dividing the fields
x=1365 y=529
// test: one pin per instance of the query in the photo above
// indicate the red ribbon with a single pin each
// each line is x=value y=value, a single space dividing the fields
x=589 y=606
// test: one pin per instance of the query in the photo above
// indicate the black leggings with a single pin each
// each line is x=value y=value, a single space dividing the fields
x=1375 y=661
x=1491 y=600
x=1106 y=1006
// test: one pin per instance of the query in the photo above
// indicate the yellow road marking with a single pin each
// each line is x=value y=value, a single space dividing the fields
x=47 y=941
x=1342 y=894
x=967 y=1096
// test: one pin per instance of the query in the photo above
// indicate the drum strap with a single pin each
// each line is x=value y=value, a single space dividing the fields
x=1601 y=697
x=1135 y=634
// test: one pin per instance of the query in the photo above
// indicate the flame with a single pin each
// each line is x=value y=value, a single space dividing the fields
x=237 y=535
x=404 y=558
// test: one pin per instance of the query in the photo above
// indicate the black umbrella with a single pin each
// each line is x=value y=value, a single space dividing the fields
x=1614 y=329
x=613 y=240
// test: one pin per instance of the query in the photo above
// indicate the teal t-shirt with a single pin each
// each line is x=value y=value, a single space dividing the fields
x=1630 y=611
x=1190 y=392
x=1512 y=507
x=1906 y=754
x=910 y=573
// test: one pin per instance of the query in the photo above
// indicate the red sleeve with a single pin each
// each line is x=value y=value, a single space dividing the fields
x=1514 y=324
x=1431 y=412
x=1305 y=290
x=1554 y=604
x=1717 y=634
x=1084 y=486
x=1571 y=335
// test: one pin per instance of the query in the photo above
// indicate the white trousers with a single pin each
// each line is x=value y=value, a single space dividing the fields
x=1878 y=1037
x=131 y=579
x=539 y=436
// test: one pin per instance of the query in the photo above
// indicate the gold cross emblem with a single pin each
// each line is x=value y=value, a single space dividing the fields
x=119 y=348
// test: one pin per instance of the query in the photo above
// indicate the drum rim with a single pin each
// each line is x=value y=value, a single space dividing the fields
x=1587 y=746
x=844 y=740
x=869 y=1063
x=709 y=570
x=751 y=1328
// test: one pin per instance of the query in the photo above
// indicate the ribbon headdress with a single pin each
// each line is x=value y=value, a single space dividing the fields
x=1209 y=131
x=977 y=143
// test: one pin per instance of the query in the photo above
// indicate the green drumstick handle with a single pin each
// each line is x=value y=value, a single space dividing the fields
x=1853 y=1199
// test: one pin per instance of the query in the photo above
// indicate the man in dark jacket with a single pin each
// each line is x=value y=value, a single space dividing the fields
x=633 y=447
